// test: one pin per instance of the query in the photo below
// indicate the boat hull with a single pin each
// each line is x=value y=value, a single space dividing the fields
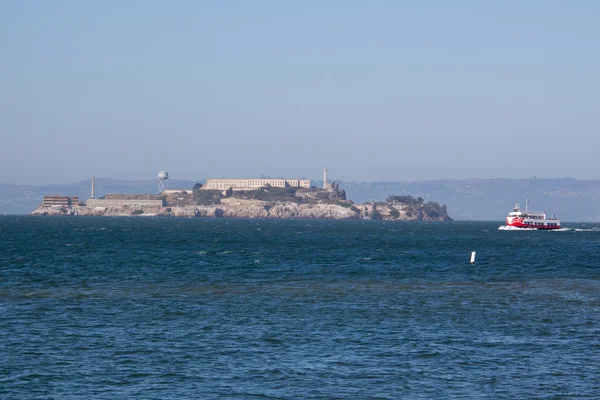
x=524 y=223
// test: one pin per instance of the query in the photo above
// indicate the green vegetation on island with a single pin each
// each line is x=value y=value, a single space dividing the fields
x=206 y=197
x=417 y=208
x=375 y=214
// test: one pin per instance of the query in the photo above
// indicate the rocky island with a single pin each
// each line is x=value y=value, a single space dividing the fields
x=263 y=202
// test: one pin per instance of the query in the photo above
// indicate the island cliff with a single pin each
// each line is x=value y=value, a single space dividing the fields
x=281 y=203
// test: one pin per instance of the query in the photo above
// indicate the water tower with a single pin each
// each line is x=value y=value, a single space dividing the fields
x=163 y=181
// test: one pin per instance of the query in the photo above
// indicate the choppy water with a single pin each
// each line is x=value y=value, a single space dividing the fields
x=110 y=308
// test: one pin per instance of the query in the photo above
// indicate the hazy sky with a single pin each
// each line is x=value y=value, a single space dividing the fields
x=374 y=90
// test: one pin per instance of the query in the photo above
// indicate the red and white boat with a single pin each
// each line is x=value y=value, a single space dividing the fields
x=530 y=220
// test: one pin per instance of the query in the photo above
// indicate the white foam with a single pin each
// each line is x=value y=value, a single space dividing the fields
x=514 y=228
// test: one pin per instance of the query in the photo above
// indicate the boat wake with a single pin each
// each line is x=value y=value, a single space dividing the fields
x=514 y=228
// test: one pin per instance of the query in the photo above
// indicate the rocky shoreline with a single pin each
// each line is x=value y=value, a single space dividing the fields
x=249 y=208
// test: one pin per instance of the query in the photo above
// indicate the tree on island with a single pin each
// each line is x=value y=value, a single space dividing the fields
x=406 y=199
x=375 y=215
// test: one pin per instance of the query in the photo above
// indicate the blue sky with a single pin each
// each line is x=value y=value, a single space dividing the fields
x=375 y=91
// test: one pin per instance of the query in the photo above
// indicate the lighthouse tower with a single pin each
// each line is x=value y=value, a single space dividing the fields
x=325 y=185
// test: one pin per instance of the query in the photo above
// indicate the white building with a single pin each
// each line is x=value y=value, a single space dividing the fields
x=253 y=184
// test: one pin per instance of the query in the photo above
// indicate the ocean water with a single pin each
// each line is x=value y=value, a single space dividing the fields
x=114 y=308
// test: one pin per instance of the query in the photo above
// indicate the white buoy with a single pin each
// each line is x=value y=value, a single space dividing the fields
x=472 y=257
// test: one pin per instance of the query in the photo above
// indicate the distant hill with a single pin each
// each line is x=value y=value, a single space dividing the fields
x=472 y=199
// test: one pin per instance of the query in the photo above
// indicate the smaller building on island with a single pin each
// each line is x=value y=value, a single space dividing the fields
x=177 y=191
x=124 y=203
x=127 y=200
x=60 y=201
